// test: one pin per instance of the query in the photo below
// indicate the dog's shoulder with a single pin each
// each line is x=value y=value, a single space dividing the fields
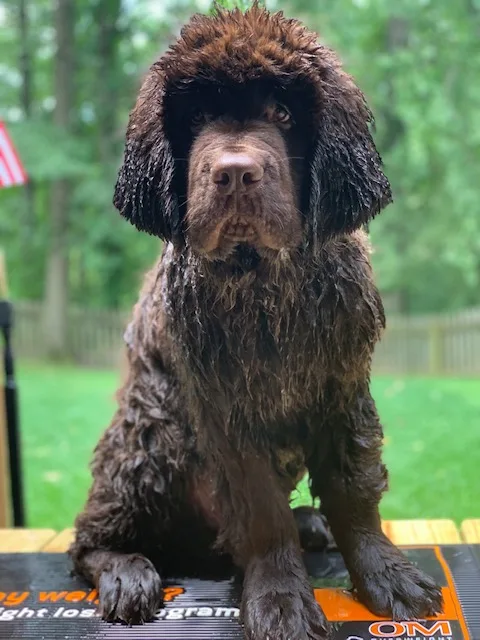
x=346 y=263
x=354 y=296
x=352 y=251
x=146 y=328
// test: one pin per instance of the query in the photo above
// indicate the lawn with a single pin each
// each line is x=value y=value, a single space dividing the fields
x=432 y=442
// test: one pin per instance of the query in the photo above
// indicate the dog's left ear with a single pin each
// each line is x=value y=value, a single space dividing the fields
x=348 y=186
x=144 y=192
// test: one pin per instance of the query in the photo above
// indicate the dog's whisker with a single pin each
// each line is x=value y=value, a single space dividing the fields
x=184 y=202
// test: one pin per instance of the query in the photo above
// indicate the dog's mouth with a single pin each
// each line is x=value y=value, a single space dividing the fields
x=219 y=235
x=239 y=239
x=238 y=229
x=245 y=230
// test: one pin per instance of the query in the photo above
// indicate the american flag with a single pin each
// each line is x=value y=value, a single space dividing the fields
x=11 y=170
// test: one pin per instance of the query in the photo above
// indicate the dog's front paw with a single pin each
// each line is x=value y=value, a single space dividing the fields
x=284 y=616
x=389 y=585
x=278 y=604
x=130 y=589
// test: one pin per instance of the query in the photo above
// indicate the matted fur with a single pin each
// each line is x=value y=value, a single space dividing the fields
x=251 y=367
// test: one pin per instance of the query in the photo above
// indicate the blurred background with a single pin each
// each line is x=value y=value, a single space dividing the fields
x=69 y=73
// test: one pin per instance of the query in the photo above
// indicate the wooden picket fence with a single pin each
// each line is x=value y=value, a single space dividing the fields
x=95 y=336
x=440 y=344
x=434 y=344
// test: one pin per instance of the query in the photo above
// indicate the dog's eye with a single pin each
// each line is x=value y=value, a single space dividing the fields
x=198 y=118
x=282 y=114
x=279 y=114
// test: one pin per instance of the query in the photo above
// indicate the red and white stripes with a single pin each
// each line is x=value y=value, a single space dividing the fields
x=11 y=170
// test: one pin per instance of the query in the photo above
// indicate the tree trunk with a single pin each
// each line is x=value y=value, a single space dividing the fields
x=56 y=286
x=25 y=64
x=396 y=38
x=107 y=14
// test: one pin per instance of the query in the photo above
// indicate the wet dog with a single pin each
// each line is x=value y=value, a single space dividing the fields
x=249 y=152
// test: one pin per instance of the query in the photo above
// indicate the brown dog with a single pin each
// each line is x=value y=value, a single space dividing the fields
x=249 y=152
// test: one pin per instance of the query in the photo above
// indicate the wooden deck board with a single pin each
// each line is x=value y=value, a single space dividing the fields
x=24 y=540
x=60 y=543
x=470 y=531
x=401 y=532
x=411 y=532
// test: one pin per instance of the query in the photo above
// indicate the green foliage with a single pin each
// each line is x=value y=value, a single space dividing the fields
x=106 y=255
x=48 y=153
x=232 y=4
x=418 y=63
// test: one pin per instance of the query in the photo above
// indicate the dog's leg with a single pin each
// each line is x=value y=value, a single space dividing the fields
x=107 y=550
x=129 y=586
x=259 y=529
x=136 y=470
x=349 y=477
x=116 y=529
x=313 y=529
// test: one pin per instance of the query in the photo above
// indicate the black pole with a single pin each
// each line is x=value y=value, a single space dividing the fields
x=13 y=426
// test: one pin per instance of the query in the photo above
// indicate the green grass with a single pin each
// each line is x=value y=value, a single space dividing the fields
x=62 y=412
x=432 y=449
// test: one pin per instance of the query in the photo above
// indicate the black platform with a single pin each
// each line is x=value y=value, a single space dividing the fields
x=39 y=599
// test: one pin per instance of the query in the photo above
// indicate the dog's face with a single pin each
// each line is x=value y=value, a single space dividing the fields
x=248 y=135
x=240 y=166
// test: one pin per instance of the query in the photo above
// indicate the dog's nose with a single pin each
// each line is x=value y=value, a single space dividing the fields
x=236 y=172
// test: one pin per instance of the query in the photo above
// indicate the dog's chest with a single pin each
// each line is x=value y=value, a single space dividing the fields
x=259 y=362
x=261 y=351
x=273 y=363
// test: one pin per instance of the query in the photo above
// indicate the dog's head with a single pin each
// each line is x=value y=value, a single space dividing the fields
x=249 y=133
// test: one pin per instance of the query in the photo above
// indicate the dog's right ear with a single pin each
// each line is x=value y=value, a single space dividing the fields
x=348 y=185
x=144 y=192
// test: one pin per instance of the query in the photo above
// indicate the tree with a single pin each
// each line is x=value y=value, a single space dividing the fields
x=25 y=65
x=56 y=282
x=417 y=62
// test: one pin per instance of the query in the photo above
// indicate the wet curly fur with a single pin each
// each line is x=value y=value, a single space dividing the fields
x=248 y=355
